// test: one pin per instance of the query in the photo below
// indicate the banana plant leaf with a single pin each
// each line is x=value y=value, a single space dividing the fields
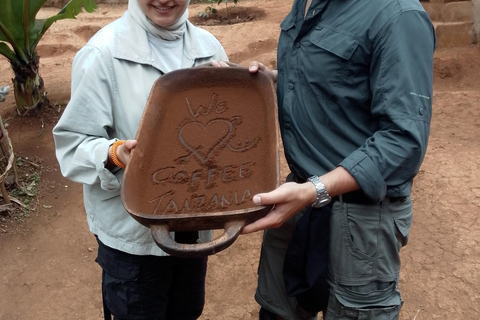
x=20 y=28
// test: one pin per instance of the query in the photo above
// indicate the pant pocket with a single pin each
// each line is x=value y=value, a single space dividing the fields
x=385 y=313
x=403 y=222
x=375 y=300
x=361 y=225
x=374 y=294
x=354 y=233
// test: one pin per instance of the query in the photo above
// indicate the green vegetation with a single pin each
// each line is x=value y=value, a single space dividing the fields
x=209 y=11
x=20 y=33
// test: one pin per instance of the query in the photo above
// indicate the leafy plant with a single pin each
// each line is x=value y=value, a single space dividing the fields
x=226 y=5
x=209 y=11
x=20 y=33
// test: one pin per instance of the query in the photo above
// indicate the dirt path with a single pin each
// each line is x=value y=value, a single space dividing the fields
x=47 y=268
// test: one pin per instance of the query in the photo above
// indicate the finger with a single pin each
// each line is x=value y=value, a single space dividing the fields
x=276 y=196
x=252 y=227
x=269 y=221
x=124 y=151
x=224 y=64
x=215 y=63
x=130 y=144
x=254 y=66
x=257 y=199
x=265 y=199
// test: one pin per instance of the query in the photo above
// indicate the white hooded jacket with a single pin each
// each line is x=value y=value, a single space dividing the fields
x=111 y=80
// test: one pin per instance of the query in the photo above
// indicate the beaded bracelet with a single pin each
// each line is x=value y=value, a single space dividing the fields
x=113 y=153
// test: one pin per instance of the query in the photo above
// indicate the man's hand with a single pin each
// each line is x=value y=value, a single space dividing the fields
x=288 y=199
x=291 y=197
x=255 y=66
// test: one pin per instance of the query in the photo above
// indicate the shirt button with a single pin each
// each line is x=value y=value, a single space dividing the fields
x=290 y=86
x=421 y=111
x=287 y=126
x=297 y=45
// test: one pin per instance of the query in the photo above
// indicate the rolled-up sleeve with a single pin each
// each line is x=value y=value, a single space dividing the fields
x=82 y=133
x=401 y=84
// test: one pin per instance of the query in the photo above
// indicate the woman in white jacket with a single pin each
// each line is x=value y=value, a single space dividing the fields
x=111 y=80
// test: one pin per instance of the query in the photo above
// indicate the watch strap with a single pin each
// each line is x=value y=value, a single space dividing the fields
x=323 y=198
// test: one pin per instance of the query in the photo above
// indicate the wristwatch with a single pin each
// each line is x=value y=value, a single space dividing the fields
x=323 y=198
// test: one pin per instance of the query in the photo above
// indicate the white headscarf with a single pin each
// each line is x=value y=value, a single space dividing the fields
x=173 y=32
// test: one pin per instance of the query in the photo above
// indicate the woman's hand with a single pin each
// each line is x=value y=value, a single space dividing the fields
x=122 y=152
x=216 y=63
x=288 y=199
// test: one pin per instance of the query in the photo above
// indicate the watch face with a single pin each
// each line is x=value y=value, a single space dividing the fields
x=317 y=205
x=325 y=201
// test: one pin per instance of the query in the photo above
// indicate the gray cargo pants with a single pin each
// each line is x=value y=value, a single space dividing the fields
x=363 y=268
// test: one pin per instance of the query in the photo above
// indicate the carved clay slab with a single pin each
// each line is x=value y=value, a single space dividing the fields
x=207 y=142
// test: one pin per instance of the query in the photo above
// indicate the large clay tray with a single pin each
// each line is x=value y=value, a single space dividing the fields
x=207 y=142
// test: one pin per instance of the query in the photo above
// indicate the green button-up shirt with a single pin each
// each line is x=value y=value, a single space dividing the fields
x=355 y=90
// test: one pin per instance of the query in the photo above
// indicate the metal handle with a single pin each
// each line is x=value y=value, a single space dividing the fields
x=161 y=235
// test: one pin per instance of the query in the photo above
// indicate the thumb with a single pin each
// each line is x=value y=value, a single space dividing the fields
x=257 y=199
x=265 y=199
x=254 y=67
x=130 y=144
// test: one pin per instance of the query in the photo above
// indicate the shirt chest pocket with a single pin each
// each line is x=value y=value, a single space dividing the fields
x=330 y=56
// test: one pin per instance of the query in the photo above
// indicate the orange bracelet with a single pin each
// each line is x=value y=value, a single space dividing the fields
x=113 y=153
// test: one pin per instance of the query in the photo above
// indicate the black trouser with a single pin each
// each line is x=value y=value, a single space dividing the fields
x=151 y=287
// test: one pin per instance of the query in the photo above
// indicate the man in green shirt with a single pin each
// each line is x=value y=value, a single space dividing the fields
x=354 y=88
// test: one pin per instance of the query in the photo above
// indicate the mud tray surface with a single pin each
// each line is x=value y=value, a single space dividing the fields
x=207 y=142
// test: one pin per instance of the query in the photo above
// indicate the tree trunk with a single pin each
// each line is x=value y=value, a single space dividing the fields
x=30 y=94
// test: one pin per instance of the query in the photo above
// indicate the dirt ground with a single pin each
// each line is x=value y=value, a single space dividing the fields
x=47 y=268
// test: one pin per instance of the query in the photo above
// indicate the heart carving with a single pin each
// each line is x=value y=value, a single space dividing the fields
x=203 y=139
